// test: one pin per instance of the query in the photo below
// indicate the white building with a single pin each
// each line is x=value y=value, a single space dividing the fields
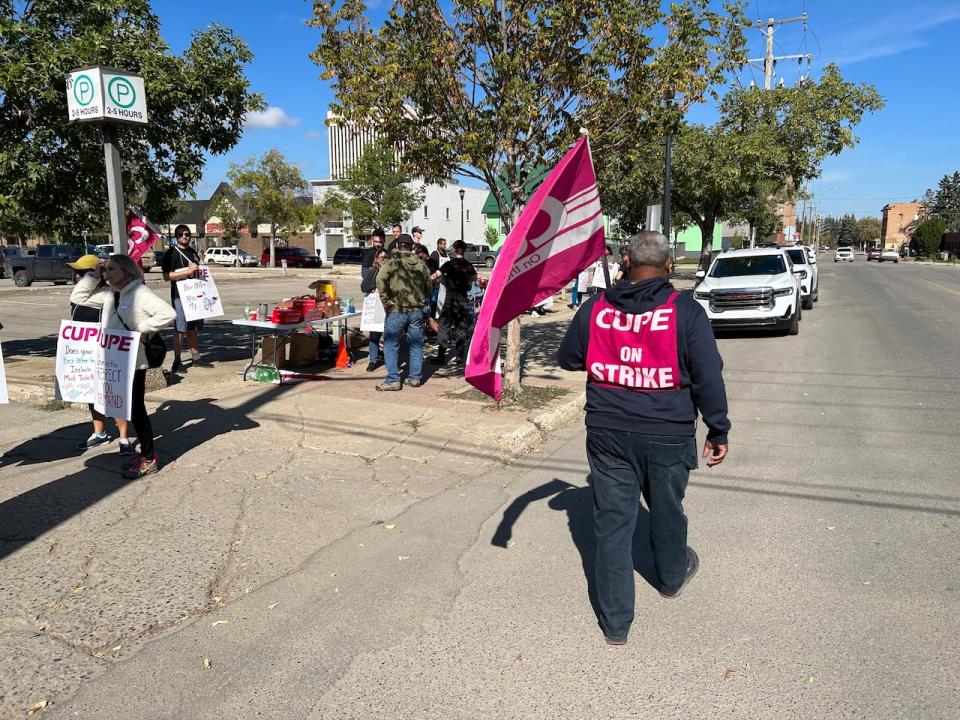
x=441 y=215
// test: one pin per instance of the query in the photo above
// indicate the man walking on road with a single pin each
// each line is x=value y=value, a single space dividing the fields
x=652 y=362
x=404 y=285
x=180 y=263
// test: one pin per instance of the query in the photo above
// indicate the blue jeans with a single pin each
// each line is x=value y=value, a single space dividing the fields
x=623 y=466
x=394 y=327
x=373 y=349
x=575 y=292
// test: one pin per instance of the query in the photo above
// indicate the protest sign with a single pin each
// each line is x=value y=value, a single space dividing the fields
x=199 y=296
x=96 y=366
x=4 y=399
x=372 y=315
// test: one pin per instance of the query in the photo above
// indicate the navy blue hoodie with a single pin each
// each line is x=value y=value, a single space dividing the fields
x=656 y=413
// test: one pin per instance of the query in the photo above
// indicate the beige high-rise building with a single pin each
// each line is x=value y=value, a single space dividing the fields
x=898 y=222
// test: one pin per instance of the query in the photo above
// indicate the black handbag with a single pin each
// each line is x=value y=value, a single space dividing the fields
x=155 y=348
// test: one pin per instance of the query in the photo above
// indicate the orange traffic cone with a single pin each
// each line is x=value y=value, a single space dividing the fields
x=343 y=360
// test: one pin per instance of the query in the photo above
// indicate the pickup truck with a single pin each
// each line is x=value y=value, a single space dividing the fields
x=48 y=265
x=10 y=251
x=481 y=255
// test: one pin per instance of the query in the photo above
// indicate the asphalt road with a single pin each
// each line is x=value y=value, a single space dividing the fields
x=829 y=542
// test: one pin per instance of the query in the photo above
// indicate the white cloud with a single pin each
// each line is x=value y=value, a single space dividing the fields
x=270 y=119
x=896 y=33
x=313 y=135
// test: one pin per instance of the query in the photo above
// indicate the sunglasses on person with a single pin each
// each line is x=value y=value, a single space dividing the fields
x=185 y=233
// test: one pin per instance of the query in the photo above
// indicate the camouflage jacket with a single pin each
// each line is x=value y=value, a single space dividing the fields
x=404 y=283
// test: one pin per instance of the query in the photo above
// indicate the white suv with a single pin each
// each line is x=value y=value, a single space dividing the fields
x=809 y=276
x=751 y=288
x=843 y=253
x=228 y=256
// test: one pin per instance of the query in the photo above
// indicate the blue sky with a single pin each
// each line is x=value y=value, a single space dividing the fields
x=907 y=50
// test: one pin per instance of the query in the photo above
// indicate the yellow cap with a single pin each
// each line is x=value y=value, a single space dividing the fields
x=85 y=262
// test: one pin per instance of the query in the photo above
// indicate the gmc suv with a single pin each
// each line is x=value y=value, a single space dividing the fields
x=751 y=288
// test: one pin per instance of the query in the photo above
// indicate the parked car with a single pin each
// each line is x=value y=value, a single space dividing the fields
x=873 y=254
x=295 y=257
x=751 y=288
x=11 y=251
x=809 y=275
x=348 y=256
x=48 y=265
x=233 y=256
x=843 y=253
x=481 y=255
x=889 y=255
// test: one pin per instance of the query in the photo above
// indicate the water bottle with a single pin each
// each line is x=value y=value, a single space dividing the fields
x=246 y=312
x=350 y=306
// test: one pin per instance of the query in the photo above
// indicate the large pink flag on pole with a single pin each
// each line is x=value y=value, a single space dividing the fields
x=140 y=234
x=558 y=234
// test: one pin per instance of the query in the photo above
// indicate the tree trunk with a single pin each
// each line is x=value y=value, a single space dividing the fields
x=511 y=366
x=706 y=240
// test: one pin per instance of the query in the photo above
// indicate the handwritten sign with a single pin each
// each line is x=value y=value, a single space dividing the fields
x=372 y=315
x=199 y=296
x=4 y=398
x=96 y=366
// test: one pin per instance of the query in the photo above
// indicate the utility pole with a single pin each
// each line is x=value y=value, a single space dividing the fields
x=803 y=217
x=769 y=60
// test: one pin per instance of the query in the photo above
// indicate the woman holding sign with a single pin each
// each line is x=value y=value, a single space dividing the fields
x=132 y=306
x=92 y=288
x=368 y=286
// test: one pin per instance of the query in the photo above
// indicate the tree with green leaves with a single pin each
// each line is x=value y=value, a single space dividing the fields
x=52 y=177
x=378 y=191
x=868 y=231
x=944 y=202
x=231 y=217
x=927 y=236
x=495 y=89
x=847 y=232
x=274 y=190
x=766 y=144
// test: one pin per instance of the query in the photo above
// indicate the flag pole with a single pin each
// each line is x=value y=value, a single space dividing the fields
x=603 y=256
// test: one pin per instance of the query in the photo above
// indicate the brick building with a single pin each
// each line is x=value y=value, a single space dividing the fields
x=898 y=222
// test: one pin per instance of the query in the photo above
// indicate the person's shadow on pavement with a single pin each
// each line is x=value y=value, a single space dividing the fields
x=577 y=502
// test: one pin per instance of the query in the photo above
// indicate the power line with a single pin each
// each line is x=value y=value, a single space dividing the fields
x=769 y=59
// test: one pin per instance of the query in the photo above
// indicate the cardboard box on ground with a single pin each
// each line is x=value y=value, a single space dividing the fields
x=273 y=350
x=303 y=349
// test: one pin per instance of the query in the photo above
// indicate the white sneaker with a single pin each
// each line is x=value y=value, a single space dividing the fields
x=94 y=440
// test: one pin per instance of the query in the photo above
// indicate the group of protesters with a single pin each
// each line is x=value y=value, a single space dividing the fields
x=421 y=292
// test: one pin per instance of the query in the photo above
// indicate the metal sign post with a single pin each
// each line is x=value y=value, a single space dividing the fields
x=111 y=158
x=109 y=97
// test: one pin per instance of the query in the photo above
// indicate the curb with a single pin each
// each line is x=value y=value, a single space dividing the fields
x=534 y=431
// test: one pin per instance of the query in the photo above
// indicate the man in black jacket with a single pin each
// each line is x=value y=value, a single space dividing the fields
x=652 y=363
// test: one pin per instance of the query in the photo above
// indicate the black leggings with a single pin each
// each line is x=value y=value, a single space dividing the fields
x=139 y=417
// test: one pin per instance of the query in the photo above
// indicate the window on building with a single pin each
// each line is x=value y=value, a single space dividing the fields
x=468 y=216
x=448 y=213
x=425 y=211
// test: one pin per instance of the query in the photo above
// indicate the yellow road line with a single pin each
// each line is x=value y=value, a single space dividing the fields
x=938 y=285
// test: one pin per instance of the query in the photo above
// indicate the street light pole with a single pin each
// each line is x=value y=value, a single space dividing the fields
x=462 y=193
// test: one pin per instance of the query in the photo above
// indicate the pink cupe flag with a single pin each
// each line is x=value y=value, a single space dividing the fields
x=558 y=234
x=141 y=236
